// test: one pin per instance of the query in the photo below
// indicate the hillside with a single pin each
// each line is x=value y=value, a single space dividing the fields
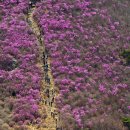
x=64 y=65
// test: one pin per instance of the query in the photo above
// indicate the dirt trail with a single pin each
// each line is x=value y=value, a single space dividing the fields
x=50 y=123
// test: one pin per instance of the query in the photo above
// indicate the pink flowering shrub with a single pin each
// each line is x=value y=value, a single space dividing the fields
x=85 y=40
x=19 y=75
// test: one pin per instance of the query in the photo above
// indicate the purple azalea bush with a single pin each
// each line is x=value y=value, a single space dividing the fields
x=85 y=39
x=20 y=77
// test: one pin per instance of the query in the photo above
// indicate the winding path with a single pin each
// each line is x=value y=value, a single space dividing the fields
x=51 y=122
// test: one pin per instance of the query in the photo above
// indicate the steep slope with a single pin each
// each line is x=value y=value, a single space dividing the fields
x=50 y=122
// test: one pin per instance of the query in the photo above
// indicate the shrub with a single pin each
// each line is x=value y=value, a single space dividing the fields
x=19 y=74
x=126 y=55
x=108 y=123
x=84 y=41
x=126 y=121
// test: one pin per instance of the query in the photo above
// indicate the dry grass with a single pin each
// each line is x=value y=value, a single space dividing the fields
x=108 y=123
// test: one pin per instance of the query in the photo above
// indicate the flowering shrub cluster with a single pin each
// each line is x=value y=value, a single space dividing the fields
x=19 y=75
x=85 y=39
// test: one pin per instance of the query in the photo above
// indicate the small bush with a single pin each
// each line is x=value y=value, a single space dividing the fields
x=126 y=55
x=126 y=121
x=2 y=33
x=8 y=65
